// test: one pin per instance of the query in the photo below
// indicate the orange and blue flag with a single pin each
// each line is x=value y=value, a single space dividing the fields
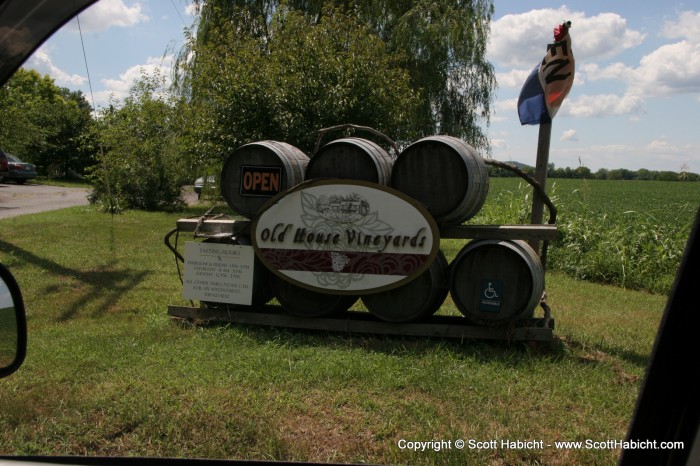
x=550 y=82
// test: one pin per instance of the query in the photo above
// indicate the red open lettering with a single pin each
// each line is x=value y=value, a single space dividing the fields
x=247 y=181
x=260 y=181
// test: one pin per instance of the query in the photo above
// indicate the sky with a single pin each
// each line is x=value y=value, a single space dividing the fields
x=635 y=100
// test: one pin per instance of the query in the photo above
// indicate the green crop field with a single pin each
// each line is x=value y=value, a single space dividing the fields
x=665 y=202
x=627 y=233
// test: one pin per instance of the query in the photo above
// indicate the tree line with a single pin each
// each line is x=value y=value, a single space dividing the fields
x=47 y=125
x=270 y=69
x=263 y=69
x=583 y=172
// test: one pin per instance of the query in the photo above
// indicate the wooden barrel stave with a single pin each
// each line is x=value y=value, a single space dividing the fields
x=446 y=175
x=301 y=302
x=415 y=300
x=351 y=158
x=258 y=171
x=496 y=282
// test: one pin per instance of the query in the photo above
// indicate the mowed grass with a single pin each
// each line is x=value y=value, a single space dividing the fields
x=108 y=373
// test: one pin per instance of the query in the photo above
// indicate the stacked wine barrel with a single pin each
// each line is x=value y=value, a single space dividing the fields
x=492 y=282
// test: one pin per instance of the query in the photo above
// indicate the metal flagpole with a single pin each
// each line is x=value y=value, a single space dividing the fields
x=544 y=139
x=544 y=92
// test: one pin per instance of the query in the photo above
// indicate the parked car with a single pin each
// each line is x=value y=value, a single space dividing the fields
x=12 y=168
x=199 y=184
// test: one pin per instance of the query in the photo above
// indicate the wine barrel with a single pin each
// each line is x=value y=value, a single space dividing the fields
x=495 y=282
x=301 y=302
x=415 y=300
x=446 y=175
x=262 y=288
x=351 y=158
x=255 y=172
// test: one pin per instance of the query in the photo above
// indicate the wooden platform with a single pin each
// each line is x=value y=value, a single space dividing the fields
x=227 y=225
x=451 y=327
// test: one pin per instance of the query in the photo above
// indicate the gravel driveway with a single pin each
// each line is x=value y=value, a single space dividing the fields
x=24 y=199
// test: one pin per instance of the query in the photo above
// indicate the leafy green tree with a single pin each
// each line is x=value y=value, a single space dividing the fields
x=667 y=175
x=442 y=45
x=582 y=172
x=139 y=165
x=617 y=174
x=336 y=71
x=602 y=174
x=282 y=70
x=71 y=147
x=45 y=124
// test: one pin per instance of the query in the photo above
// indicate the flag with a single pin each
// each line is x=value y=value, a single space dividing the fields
x=532 y=108
x=550 y=82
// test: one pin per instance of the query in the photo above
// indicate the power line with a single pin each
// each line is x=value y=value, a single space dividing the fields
x=87 y=69
x=94 y=111
x=178 y=13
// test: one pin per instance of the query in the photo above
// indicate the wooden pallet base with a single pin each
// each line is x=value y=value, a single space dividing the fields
x=536 y=329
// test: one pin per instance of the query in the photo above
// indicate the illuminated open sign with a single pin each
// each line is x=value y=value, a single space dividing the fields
x=260 y=181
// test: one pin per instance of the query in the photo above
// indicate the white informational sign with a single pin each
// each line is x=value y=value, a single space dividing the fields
x=221 y=273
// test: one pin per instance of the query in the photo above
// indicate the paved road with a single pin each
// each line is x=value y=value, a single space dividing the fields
x=18 y=199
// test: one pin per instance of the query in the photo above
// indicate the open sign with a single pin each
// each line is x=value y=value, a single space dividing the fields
x=260 y=181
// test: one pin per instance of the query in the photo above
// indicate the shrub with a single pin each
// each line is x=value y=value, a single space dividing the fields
x=139 y=165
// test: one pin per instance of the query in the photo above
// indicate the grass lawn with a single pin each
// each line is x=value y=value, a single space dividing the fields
x=108 y=373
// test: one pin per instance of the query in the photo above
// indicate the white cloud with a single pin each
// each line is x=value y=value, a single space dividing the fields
x=687 y=26
x=118 y=89
x=520 y=40
x=192 y=9
x=569 y=135
x=670 y=69
x=617 y=148
x=658 y=154
x=107 y=13
x=498 y=143
x=604 y=36
x=662 y=146
x=41 y=62
x=669 y=156
x=502 y=109
x=602 y=87
x=593 y=72
x=603 y=105
x=513 y=79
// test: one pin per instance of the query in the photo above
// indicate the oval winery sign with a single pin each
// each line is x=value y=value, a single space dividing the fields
x=345 y=237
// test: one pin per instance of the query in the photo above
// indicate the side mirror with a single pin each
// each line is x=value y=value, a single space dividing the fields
x=13 y=324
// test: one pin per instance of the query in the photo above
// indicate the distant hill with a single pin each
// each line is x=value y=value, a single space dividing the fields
x=502 y=172
x=521 y=166
x=583 y=172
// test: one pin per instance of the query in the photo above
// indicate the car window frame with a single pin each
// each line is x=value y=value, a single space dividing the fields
x=675 y=326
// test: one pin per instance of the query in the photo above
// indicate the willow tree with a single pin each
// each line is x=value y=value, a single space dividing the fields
x=443 y=45
x=271 y=69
